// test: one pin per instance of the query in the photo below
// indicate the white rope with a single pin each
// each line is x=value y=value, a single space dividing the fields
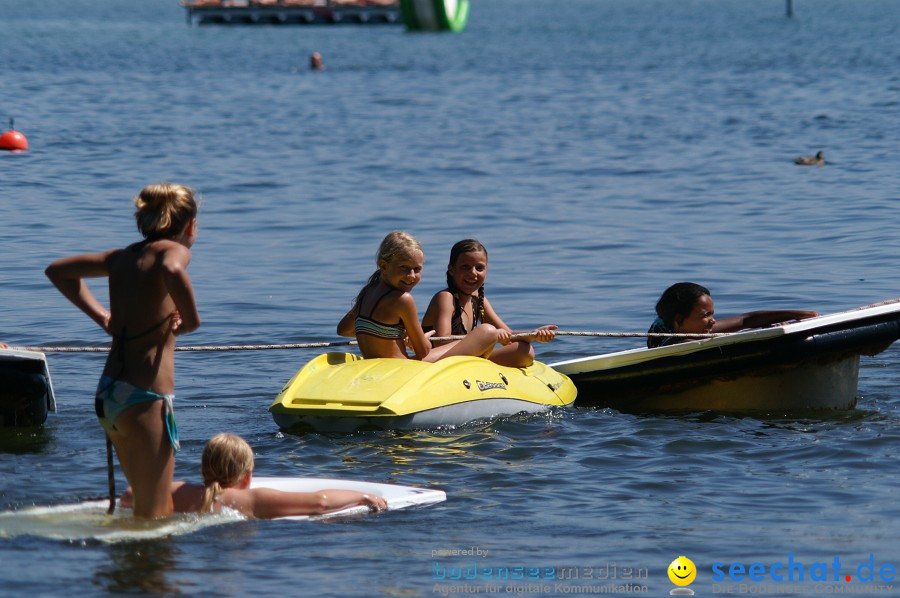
x=525 y=335
x=636 y=334
x=515 y=337
x=195 y=347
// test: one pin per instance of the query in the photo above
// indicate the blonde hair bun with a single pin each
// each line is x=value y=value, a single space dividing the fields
x=164 y=210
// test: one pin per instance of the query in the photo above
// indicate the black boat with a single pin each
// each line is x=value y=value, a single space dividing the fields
x=26 y=391
x=810 y=365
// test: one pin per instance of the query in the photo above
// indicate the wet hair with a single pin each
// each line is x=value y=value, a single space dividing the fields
x=679 y=300
x=164 y=210
x=226 y=460
x=396 y=244
x=459 y=248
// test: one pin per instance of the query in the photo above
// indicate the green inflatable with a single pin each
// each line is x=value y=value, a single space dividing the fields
x=435 y=15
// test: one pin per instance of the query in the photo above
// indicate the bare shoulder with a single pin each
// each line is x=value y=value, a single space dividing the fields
x=444 y=295
x=112 y=256
x=170 y=246
x=187 y=497
x=402 y=299
x=239 y=499
x=442 y=300
x=171 y=253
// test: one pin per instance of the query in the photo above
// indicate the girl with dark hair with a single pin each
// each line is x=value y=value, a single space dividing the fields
x=462 y=307
x=688 y=308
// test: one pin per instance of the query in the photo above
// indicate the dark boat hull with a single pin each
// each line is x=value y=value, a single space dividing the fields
x=807 y=366
x=26 y=391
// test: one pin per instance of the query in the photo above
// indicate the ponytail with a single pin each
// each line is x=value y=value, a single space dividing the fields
x=372 y=282
x=210 y=492
x=478 y=310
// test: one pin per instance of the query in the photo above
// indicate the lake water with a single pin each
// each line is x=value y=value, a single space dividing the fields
x=600 y=149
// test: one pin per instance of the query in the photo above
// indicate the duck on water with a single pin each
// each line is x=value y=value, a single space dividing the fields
x=817 y=160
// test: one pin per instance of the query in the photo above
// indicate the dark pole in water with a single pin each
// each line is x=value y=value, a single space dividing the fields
x=790 y=8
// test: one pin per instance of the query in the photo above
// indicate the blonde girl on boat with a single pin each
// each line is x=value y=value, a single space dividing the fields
x=227 y=468
x=463 y=308
x=151 y=302
x=384 y=318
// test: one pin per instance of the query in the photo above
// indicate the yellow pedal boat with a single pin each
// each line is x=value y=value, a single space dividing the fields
x=344 y=392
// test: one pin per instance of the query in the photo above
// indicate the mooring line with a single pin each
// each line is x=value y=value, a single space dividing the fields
x=323 y=345
x=195 y=347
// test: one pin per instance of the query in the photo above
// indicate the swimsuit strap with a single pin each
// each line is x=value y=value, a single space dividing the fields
x=375 y=306
x=122 y=338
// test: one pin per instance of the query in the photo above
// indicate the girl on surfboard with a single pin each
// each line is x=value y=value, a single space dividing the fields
x=227 y=467
x=151 y=302
x=384 y=318
x=462 y=307
x=687 y=308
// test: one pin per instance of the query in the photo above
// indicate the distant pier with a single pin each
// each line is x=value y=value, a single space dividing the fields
x=292 y=12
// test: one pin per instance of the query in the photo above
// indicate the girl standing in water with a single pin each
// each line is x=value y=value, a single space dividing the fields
x=462 y=307
x=384 y=316
x=151 y=302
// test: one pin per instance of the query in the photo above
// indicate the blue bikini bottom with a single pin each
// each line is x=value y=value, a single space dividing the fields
x=114 y=396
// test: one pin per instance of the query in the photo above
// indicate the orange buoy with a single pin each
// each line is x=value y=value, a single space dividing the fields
x=12 y=140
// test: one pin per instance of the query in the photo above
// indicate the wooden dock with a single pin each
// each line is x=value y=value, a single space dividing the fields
x=292 y=12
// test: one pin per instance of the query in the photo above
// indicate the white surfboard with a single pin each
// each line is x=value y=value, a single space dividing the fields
x=88 y=520
x=397 y=497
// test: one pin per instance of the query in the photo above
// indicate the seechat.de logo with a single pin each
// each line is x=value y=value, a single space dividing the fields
x=793 y=570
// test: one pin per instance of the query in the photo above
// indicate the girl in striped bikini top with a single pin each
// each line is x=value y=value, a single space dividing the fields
x=386 y=298
x=369 y=325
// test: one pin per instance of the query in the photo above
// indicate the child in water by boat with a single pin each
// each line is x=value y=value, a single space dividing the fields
x=384 y=316
x=462 y=307
x=151 y=303
x=687 y=308
x=227 y=468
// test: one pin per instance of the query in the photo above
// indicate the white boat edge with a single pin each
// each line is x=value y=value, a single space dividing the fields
x=616 y=359
x=12 y=355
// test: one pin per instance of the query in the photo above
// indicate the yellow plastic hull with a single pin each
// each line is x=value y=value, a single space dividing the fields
x=344 y=391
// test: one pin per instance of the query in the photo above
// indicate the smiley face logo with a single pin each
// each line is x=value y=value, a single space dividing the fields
x=682 y=571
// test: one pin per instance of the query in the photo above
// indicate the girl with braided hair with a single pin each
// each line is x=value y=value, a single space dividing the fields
x=462 y=307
